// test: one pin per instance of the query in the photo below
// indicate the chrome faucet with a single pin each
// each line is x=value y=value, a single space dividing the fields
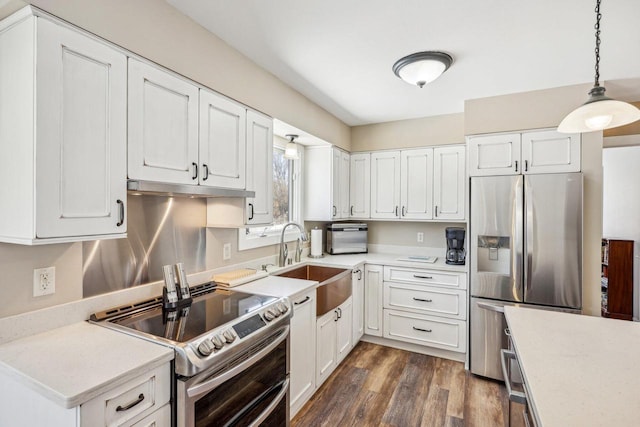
x=284 y=251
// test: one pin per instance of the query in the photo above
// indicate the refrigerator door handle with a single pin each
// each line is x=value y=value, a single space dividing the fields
x=518 y=234
x=528 y=236
x=491 y=307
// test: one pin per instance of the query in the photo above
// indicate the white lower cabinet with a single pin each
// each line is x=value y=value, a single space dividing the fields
x=439 y=332
x=142 y=401
x=373 y=300
x=357 y=280
x=303 y=350
x=333 y=337
x=425 y=307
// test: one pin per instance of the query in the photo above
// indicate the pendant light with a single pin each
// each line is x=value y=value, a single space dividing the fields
x=422 y=67
x=599 y=112
x=291 y=150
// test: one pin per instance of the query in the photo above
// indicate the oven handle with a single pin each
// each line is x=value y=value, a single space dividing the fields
x=205 y=387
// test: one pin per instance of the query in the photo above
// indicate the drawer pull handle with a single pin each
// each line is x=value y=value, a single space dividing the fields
x=423 y=300
x=421 y=330
x=417 y=276
x=303 y=301
x=131 y=405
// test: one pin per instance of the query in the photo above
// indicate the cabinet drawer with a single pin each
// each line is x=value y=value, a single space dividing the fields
x=129 y=402
x=160 y=418
x=427 y=277
x=447 y=334
x=425 y=299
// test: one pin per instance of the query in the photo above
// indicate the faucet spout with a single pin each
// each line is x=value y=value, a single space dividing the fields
x=283 y=252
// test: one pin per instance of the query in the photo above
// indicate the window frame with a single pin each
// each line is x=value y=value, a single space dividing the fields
x=270 y=234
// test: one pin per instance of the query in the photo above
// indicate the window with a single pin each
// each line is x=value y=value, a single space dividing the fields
x=286 y=203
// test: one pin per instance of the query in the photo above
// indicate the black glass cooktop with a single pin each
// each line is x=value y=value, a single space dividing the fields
x=205 y=313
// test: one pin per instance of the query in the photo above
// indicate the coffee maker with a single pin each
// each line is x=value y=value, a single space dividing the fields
x=455 y=245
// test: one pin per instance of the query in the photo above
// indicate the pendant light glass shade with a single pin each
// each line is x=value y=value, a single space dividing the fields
x=598 y=113
x=291 y=149
x=422 y=67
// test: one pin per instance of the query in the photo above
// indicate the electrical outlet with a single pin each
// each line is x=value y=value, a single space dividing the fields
x=226 y=251
x=420 y=237
x=44 y=281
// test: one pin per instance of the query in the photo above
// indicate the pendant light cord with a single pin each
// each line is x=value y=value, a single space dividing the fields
x=597 y=27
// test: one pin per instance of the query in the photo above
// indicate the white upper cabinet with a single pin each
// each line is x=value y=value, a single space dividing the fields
x=449 y=183
x=259 y=168
x=494 y=155
x=343 y=187
x=163 y=126
x=385 y=185
x=543 y=151
x=326 y=195
x=550 y=152
x=416 y=184
x=360 y=185
x=62 y=134
x=222 y=141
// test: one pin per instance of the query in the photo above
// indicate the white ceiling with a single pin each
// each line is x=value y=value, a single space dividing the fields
x=339 y=53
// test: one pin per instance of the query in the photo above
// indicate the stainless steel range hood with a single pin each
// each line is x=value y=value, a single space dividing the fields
x=183 y=190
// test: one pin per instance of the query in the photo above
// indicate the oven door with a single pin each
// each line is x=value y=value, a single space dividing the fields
x=252 y=389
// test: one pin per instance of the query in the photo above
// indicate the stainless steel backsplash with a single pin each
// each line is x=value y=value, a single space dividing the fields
x=161 y=230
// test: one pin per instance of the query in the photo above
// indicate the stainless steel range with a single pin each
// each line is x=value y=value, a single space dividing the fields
x=231 y=353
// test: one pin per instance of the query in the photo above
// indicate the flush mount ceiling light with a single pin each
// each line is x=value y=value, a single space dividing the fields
x=291 y=150
x=422 y=67
x=599 y=112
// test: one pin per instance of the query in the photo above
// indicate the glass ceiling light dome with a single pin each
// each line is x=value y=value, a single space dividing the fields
x=599 y=112
x=422 y=67
x=291 y=150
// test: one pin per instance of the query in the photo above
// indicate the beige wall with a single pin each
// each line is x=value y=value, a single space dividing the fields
x=541 y=109
x=436 y=130
x=405 y=233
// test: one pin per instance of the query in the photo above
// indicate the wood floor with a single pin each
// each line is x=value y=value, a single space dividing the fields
x=383 y=386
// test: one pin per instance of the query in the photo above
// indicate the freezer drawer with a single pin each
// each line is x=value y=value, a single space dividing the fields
x=487 y=337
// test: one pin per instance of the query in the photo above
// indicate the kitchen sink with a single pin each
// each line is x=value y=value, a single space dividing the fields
x=334 y=288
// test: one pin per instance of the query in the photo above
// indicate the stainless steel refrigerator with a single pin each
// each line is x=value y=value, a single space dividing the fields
x=526 y=248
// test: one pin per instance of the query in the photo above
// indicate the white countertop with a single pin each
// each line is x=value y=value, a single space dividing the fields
x=277 y=286
x=352 y=260
x=75 y=363
x=578 y=370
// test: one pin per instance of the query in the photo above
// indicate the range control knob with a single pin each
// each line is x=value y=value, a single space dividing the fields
x=217 y=342
x=205 y=348
x=282 y=308
x=275 y=311
x=229 y=336
x=269 y=315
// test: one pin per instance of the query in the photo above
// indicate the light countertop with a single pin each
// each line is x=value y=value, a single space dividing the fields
x=578 y=370
x=75 y=363
x=352 y=260
x=277 y=286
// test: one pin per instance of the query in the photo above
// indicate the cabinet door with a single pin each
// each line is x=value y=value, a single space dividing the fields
x=550 y=152
x=416 y=184
x=373 y=300
x=259 y=168
x=360 y=185
x=336 y=208
x=494 y=155
x=344 y=333
x=81 y=135
x=163 y=126
x=326 y=343
x=303 y=350
x=344 y=184
x=222 y=141
x=357 y=280
x=385 y=184
x=449 y=183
